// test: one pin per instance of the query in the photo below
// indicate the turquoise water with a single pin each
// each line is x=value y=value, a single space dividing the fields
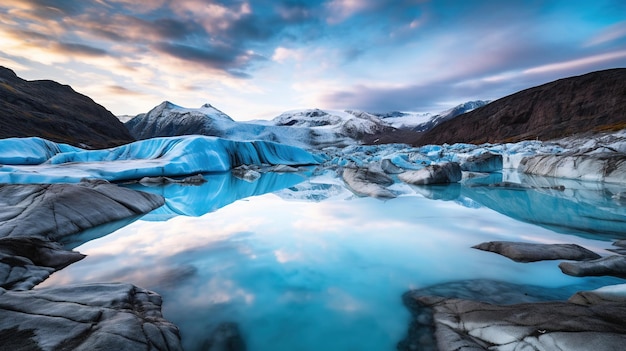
x=312 y=267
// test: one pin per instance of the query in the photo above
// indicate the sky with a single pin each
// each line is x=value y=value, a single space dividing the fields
x=256 y=59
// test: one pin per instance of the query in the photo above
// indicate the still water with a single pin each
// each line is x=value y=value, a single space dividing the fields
x=300 y=263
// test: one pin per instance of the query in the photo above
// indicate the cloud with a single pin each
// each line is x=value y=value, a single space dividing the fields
x=584 y=63
x=610 y=34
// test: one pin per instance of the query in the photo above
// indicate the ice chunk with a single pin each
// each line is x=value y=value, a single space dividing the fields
x=173 y=156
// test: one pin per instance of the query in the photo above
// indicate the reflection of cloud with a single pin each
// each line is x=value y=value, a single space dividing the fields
x=284 y=256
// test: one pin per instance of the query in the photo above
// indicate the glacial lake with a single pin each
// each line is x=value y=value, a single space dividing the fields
x=300 y=263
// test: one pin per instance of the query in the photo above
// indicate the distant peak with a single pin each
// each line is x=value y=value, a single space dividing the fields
x=207 y=105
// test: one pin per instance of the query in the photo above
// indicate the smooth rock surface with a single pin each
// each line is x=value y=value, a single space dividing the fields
x=600 y=168
x=485 y=162
x=449 y=172
x=530 y=252
x=53 y=211
x=366 y=182
x=610 y=265
x=85 y=317
x=465 y=325
x=26 y=262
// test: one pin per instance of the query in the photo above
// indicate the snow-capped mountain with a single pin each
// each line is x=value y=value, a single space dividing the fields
x=399 y=119
x=456 y=111
x=304 y=128
x=168 y=119
x=353 y=124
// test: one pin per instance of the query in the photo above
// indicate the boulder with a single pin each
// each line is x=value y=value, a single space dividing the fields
x=26 y=262
x=53 y=211
x=610 y=265
x=530 y=252
x=445 y=173
x=85 y=317
x=366 y=182
x=596 y=167
x=466 y=325
x=485 y=162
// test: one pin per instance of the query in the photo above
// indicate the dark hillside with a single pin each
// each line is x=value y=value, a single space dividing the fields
x=47 y=109
x=592 y=102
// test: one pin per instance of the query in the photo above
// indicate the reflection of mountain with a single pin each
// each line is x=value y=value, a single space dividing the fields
x=565 y=206
x=219 y=190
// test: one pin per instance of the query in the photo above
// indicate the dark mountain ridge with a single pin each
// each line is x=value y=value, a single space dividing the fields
x=47 y=109
x=591 y=102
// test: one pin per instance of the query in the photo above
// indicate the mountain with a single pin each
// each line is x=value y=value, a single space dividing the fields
x=304 y=128
x=588 y=103
x=449 y=114
x=47 y=109
x=168 y=119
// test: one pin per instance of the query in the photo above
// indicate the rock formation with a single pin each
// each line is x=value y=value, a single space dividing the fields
x=530 y=252
x=56 y=112
x=586 y=103
x=85 y=317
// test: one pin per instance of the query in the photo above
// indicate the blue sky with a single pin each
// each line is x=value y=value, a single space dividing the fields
x=256 y=59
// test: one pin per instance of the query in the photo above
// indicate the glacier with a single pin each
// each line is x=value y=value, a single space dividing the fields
x=171 y=156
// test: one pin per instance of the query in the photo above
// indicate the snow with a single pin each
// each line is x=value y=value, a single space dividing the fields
x=173 y=156
x=302 y=128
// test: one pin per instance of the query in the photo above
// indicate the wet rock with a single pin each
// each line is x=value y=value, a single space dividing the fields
x=191 y=180
x=85 y=317
x=449 y=172
x=225 y=337
x=26 y=262
x=485 y=162
x=367 y=182
x=388 y=167
x=596 y=167
x=420 y=335
x=53 y=211
x=247 y=173
x=529 y=252
x=471 y=325
x=620 y=243
x=612 y=293
x=611 y=265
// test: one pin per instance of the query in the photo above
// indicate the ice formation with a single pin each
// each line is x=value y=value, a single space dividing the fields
x=173 y=156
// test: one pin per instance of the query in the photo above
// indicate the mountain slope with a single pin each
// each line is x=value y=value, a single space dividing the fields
x=56 y=112
x=304 y=128
x=591 y=102
x=450 y=114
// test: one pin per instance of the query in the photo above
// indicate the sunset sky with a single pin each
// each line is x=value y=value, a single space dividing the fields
x=256 y=59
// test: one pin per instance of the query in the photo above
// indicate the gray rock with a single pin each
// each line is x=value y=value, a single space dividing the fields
x=26 y=262
x=191 y=180
x=620 y=243
x=85 y=317
x=420 y=335
x=445 y=173
x=596 y=167
x=53 y=211
x=485 y=162
x=610 y=293
x=466 y=325
x=366 y=182
x=388 y=167
x=611 y=265
x=529 y=252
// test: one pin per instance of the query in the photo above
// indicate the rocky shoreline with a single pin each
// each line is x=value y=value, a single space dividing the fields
x=36 y=218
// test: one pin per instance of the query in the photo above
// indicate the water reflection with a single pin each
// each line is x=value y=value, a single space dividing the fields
x=220 y=190
x=324 y=274
x=563 y=205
